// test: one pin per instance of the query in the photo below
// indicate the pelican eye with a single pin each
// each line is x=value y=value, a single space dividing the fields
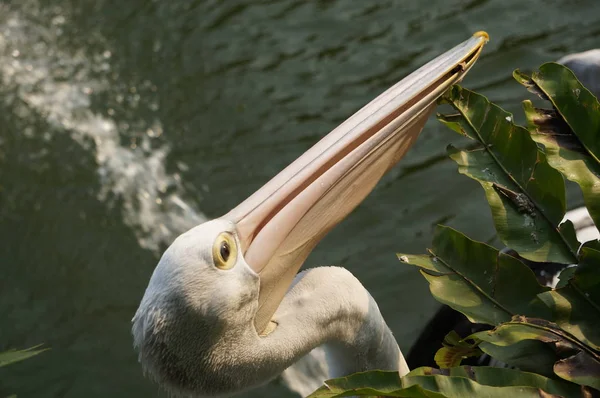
x=224 y=251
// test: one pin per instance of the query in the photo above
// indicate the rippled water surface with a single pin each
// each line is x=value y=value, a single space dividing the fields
x=124 y=123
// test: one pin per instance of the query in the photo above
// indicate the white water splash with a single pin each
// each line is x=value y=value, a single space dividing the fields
x=30 y=60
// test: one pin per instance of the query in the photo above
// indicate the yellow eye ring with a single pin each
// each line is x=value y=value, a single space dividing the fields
x=224 y=251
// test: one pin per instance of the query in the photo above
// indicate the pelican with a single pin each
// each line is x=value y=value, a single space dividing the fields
x=225 y=310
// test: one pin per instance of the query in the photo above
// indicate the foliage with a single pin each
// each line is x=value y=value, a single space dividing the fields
x=457 y=382
x=550 y=335
x=12 y=356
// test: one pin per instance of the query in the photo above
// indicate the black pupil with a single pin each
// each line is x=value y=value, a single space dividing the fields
x=225 y=251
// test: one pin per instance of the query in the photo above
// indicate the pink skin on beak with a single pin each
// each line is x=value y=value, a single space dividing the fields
x=280 y=224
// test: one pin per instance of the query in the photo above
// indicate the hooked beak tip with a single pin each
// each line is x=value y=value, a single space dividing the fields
x=483 y=34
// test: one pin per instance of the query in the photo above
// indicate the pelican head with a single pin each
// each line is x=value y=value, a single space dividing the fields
x=225 y=309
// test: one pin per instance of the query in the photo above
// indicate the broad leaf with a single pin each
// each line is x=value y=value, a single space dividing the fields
x=575 y=361
x=527 y=355
x=451 y=383
x=592 y=244
x=501 y=377
x=455 y=349
x=374 y=383
x=563 y=147
x=477 y=280
x=552 y=332
x=526 y=195
x=577 y=105
x=576 y=306
x=581 y=369
x=12 y=356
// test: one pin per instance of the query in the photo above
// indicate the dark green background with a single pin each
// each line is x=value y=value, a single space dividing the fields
x=123 y=123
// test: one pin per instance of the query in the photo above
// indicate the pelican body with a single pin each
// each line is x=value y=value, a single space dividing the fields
x=225 y=310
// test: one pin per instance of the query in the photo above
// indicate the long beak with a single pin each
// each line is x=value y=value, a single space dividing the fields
x=280 y=224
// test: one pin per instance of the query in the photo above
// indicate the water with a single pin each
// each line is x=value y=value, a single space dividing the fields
x=122 y=124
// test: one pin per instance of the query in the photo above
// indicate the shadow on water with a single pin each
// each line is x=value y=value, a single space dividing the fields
x=123 y=124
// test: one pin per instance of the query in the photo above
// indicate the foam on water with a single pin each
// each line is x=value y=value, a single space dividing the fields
x=30 y=61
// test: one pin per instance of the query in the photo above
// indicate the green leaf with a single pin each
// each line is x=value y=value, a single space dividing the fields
x=526 y=195
x=587 y=276
x=574 y=360
x=570 y=131
x=581 y=369
x=566 y=154
x=576 y=104
x=451 y=383
x=527 y=355
x=372 y=383
x=552 y=332
x=592 y=244
x=502 y=377
x=565 y=275
x=455 y=349
x=576 y=306
x=477 y=280
x=12 y=356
